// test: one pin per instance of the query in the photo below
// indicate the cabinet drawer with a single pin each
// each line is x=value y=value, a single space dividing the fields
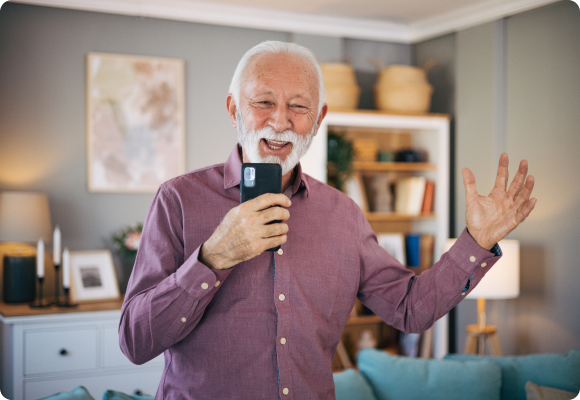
x=48 y=351
x=112 y=354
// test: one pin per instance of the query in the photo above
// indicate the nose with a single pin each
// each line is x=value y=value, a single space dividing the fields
x=280 y=118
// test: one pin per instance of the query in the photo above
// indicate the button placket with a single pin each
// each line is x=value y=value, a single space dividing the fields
x=282 y=299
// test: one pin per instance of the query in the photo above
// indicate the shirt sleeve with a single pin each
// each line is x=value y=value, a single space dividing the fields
x=167 y=292
x=413 y=303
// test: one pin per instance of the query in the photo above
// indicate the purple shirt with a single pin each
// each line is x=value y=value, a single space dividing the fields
x=269 y=327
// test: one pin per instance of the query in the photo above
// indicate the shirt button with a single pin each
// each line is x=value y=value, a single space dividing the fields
x=285 y=391
x=281 y=297
x=283 y=340
x=472 y=258
x=217 y=283
x=483 y=265
x=183 y=319
x=204 y=286
x=463 y=294
x=280 y=251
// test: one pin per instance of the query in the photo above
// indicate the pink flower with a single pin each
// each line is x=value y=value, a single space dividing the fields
x=132 y=240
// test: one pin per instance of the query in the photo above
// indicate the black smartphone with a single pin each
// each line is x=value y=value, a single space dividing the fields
x=258 y=179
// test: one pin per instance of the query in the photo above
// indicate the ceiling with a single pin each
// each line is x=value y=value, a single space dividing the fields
x=392 y=10
x=399 y=21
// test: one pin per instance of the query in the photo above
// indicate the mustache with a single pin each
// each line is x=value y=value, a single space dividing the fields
x=269 y=133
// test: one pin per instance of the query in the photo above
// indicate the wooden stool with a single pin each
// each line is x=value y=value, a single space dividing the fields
x=476 y=336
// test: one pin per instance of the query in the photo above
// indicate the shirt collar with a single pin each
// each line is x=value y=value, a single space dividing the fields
x=233 y=170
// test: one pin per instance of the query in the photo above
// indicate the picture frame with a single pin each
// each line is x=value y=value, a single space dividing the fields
x=93 y=276
x=355 y=189
x=135 y=122
x=394 y=244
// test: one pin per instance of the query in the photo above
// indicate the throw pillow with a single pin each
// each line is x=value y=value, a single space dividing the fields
x=535 y=392
x=561 y=371
x=350 y=385
x=113 y=395
x=398 y=377
x=79 y=393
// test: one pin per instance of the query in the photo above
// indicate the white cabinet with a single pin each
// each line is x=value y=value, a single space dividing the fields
x=50 y=353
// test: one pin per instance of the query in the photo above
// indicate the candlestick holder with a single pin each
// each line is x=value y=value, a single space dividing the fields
x=56 y=284
x=67 y=302
x=40 y=303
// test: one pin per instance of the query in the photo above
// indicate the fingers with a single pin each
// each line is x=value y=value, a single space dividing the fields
x=268 y=200
x=273 y=214
x=469 y=183
x=519 y=179
x=502 y=176
x=523 y=196
x=526 y=209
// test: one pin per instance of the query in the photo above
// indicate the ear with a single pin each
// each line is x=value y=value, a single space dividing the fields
x=231 y=106
x=323 y=112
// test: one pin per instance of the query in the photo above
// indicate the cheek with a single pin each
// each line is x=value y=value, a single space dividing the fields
x=256 y=118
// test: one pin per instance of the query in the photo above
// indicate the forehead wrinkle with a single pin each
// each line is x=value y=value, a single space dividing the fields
x=259 y=72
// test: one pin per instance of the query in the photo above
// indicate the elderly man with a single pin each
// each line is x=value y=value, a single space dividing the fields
x=235 y=321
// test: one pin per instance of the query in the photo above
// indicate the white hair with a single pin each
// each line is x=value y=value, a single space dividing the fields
x=273 y=47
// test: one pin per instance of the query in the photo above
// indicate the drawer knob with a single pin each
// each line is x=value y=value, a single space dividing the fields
x=63 y=352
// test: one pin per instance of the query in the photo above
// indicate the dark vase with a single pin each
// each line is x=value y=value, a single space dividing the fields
x=124 y=269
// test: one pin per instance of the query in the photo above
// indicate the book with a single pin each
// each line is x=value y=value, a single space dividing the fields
x=416 y=194
x=413 y=250
x=409 y=195
x=402 y=195
x=426 y=247
x=428 y=197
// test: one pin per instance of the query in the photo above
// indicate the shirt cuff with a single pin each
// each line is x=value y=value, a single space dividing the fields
x=472 y=259
x=198 y=279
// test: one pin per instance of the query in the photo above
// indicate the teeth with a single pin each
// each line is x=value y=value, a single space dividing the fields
x=274 y=147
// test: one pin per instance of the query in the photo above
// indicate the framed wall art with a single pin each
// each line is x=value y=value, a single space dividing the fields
x=92 y=276
x=135 y=122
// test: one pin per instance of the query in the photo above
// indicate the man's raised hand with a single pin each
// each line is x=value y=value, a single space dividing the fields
x=490 y=218
x=244 y=232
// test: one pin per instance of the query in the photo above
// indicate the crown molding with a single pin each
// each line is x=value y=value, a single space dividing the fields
x=257 y=18
x=471 y=16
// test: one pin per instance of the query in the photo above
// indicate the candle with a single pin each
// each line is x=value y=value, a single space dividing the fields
x=65 y=269
x=56 y=246
x=40 y=259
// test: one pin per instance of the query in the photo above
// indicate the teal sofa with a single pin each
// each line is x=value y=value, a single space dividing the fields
x=381 y=376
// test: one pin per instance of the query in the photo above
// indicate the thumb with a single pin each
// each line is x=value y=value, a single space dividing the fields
x=468 y=183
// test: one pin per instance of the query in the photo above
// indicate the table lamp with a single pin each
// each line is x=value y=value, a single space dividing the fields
x=24 y=218
x=501 y=282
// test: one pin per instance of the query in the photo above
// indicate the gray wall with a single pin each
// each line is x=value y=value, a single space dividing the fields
x=42 y=101
x=537 y=119
x=42 y=105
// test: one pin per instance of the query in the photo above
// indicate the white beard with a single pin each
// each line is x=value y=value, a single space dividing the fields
x=250 y=141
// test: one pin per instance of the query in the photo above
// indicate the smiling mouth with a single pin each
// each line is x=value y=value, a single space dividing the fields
x=275 y=144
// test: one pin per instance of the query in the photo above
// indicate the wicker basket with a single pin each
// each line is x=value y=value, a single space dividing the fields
x=403 y=88
x=341 y=89
x=404 y=98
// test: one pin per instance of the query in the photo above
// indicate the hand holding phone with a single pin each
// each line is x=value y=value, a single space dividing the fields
x=249 y=229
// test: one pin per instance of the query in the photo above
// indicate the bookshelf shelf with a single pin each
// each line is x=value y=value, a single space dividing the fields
x=364 y=319
x=392 y=166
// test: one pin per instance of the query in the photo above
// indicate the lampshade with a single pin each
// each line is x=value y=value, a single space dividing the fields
x=24 y=217
x=503 y=280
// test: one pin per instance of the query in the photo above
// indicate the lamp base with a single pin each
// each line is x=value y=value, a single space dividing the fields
x=476 y=337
